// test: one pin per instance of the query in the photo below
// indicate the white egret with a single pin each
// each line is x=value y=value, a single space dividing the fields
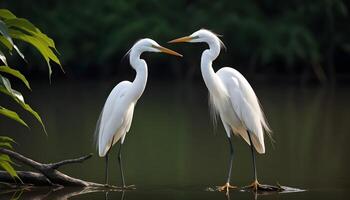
x=233 y=99
x=116 y=116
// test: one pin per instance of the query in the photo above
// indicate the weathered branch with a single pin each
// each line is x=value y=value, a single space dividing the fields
x=49 y=175
x=27 y=177
x=69 y=161
x=23 y=159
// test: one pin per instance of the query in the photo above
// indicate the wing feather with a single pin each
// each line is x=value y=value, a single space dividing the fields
x=246 y=105
x=112 y=118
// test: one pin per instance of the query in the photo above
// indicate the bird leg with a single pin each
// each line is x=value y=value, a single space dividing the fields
x=255 y=185
x=120 y=164
x=106 y=169
x=227 y=186
x=125 y=187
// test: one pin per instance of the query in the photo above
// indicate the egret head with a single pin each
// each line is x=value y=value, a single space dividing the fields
x=149 y=45
x=201 y=35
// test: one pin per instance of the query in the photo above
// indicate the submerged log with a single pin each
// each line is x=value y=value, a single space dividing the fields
x=48 y=174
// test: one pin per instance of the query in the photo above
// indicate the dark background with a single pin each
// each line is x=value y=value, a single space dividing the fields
x=293 y=41
x=294 y=53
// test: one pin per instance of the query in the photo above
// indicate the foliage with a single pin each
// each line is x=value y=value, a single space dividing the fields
x=20 y=29
x=5 y=161
x=279 y=36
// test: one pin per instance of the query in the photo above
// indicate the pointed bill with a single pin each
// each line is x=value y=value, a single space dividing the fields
x=168 y=51
x=182 y=39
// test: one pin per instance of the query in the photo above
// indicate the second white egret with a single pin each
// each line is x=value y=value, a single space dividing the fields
x=233 y=99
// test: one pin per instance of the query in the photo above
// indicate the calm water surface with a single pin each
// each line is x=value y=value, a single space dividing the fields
x=173 y=150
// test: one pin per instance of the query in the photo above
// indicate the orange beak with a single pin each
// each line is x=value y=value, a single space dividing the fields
x=182 y=39
x=167 y=51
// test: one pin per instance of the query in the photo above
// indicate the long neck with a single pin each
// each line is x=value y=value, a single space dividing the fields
x=140 y=80
x=209 y=76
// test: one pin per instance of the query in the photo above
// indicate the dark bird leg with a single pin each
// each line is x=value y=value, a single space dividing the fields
x=120 y=162
x=231 y=160
x=106 y=169
x=121 y=165
x=253 y=157
x=227 y=186
x=123 y=195
x=106 y=196
x=255 y=185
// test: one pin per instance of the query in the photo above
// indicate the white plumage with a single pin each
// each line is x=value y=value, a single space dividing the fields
x=245 y=112
x=116 y=117
x=117 y=113
x=231 y=95
x=232 y=98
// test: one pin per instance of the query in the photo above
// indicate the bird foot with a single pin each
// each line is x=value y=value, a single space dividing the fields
x=226 y=188
x=128 y=187
x=257 y=187
x=254 y=186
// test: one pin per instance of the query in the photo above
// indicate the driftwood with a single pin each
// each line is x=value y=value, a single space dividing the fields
x=47 y=175
x=26 y=177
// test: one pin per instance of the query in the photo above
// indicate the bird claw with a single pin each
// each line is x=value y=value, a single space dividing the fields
x=257 y=187
x=129 y=187
x=226 y=188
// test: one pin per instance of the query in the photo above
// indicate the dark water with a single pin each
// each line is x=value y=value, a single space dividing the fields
x=173 y=150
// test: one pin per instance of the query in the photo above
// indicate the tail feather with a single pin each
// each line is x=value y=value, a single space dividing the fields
x=258 y=145
x=97 y=130
x=265 y=124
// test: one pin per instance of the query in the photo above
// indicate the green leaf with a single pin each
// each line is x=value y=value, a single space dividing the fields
x=3 y=57
x=12 y=93
x=31 y=111
x=7 y=167
x=16 y=74
x=25 y=25
x=6 y=14
x=6 y=158
x=18 y=97
x=5 y=145
x=6 y=43
x=42 y=47
x=12 y=115
x=5 y=32
x=6 y=83
x=6 y=139
x=17 y=195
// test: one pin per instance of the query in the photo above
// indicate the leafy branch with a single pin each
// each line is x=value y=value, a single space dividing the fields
x=14 y=29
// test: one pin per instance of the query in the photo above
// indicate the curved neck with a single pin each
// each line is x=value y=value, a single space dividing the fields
x=208 y=73
x=140 y=80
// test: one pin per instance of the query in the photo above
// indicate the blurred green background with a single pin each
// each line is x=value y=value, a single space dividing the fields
x=267 y=40
x=291 y=47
